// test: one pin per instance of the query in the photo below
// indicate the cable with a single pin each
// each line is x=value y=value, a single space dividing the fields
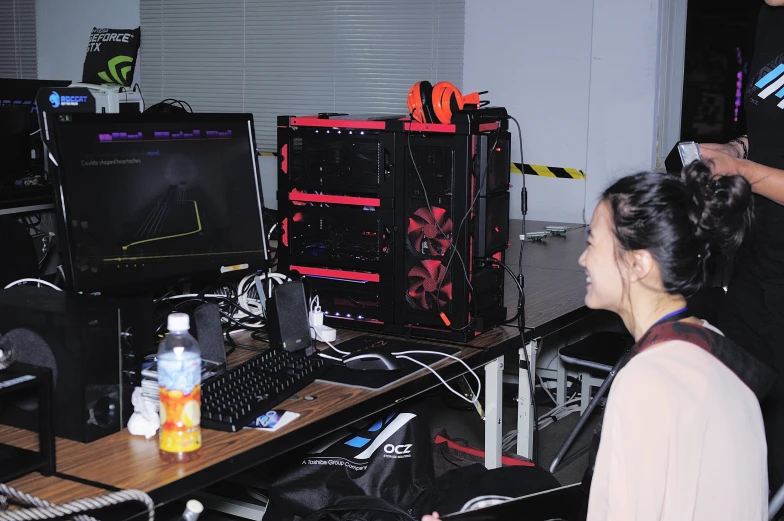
x=44 y=510
x=137 y=88
x=169 y=105
x=546 y=390
x=402 y=354
x=38 y=281
x=322 y=355
x=320 y=339
x=476 y=397
x=508 y=270
x=523 y=197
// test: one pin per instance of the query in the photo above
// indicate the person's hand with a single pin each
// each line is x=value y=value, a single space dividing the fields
x=721 y=162
x=431 y=517
x=725 y=148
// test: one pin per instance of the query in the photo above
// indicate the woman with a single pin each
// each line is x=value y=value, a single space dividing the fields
x=682 y=436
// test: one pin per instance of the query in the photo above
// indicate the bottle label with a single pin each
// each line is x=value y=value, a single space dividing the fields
x=179 y=385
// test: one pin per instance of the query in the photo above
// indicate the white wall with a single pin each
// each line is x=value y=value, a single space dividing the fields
x=581 y=77
x=64 y=28
x=623 y=106
x=534 y=58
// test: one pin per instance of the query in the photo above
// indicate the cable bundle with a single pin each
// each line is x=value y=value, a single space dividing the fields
x=40 y=509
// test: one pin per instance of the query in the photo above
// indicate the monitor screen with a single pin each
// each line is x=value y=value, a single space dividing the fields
x=148 y=198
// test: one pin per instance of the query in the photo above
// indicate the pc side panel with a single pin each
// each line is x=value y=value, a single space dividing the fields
x=336 y=206
x=434 y=260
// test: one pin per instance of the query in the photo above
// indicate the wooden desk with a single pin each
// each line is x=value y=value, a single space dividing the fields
x=554 y=298
x=122 y=461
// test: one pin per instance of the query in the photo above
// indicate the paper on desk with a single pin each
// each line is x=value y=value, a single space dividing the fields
x=273 y=420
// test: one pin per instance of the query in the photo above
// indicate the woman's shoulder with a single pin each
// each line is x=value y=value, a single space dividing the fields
x=677 y=368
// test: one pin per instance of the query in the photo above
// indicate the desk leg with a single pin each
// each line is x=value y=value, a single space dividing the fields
x=525 y=410
x=493 y=412
x=561 y=382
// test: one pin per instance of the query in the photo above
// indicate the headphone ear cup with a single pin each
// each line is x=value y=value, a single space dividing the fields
x=426 y=96
x=446 y=101
x=420 y=102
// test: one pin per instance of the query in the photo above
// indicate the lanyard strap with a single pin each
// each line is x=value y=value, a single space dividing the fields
x=671 y=317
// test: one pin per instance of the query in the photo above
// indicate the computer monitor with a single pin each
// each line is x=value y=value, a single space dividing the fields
x=146 y=199
x=21 y=153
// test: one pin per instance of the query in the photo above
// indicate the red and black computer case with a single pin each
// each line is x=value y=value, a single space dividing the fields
x=390 y=221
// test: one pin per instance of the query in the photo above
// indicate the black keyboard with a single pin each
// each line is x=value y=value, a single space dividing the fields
x=234 y=399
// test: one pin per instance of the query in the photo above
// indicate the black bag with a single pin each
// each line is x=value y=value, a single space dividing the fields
x=474 y=483
x=389 y=458
x=111 y=56
x=360 y=508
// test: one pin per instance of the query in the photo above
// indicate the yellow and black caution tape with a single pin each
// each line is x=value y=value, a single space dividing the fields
x=521 y=168
x=547 y=171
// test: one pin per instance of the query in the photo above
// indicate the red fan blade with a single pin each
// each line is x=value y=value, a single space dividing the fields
x=415 y=224
x=419 y=272
x=434 y=268
x=423 y=214
x=439 y=214
x=447 y=227
x=446 y=291
x=441 y=245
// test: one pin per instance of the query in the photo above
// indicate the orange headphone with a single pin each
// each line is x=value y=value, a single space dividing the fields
x=437 y=104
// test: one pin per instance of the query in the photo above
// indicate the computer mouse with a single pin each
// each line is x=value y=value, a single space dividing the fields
x=373 y=360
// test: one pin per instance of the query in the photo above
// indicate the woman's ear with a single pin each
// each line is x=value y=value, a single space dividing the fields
x=640 y=264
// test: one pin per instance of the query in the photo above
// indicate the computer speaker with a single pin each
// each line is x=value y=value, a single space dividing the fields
x=287 y=318
x=208 y=330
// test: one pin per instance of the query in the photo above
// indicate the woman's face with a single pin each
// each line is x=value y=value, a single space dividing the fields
x=604 y=281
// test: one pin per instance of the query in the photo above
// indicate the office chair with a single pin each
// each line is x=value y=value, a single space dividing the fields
x=596 y=353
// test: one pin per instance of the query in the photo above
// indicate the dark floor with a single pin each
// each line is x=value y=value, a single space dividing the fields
x=467 y=425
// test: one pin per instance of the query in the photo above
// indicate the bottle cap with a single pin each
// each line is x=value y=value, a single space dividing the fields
x=193 y=505
x=178 y=322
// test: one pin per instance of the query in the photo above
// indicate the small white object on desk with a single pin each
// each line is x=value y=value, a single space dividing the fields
x=145 y=420
x=318 y=331
x=557 y=231
x=536 y=236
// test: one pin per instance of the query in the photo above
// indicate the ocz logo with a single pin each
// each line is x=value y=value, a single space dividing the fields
x=397 y=449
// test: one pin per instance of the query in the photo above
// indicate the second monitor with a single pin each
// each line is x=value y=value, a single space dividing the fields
x=143 y=199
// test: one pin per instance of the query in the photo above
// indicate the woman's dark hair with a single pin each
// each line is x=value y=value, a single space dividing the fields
x=684 y=221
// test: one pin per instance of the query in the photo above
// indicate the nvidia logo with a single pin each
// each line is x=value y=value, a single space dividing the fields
x=120 y=77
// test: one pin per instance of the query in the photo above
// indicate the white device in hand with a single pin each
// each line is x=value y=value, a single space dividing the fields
x=689 y=152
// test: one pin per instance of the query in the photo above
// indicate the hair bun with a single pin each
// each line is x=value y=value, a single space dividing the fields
x=721 y=212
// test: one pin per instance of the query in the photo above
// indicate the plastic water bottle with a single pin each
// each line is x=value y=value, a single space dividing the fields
x=179 y=385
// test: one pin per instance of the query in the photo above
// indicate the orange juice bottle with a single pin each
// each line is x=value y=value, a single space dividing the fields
x=179 y=386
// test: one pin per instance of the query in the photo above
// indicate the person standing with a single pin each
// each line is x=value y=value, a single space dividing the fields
x=752 y=313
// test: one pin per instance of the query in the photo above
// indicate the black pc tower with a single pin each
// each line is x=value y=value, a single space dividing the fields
x=392 y=221
x=21 y=151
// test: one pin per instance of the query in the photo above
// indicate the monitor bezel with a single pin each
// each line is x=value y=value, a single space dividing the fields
x=58 y=173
